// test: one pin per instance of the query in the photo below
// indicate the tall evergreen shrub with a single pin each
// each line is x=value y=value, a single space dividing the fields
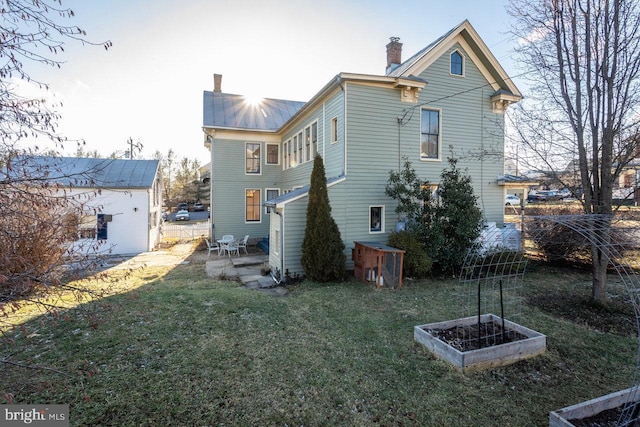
x=323 y=257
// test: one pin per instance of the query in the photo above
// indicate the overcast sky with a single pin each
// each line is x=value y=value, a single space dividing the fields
x=149 y=85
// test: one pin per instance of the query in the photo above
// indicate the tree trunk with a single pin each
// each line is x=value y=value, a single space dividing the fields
x=599 y=276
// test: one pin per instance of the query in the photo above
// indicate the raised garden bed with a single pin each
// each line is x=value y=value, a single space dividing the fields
x=470 y=347
x=602 y=412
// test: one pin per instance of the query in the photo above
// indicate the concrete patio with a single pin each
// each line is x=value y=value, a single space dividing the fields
x=245 y=267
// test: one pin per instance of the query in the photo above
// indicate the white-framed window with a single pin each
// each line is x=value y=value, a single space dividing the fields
x=295 y=161
x=334 y=130
x=273 y=154
x=376 y=219
x=457 y=63
x=285 y=155
x=301 y=159
x=270 y=193
x=430 y=141
x=314 y=140
x=253 y=199
x=307 y=143
x=290 y=154
x=252 y=156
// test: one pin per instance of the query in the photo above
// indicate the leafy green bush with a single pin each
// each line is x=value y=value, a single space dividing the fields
x=417 y=263
x=446 y=222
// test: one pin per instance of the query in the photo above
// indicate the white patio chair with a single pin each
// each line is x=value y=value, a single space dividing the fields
x=212 y=247
x=231 y=246
x=223 y=242
x=242 y=244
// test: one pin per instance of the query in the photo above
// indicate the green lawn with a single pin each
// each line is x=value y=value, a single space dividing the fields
x=186 y=350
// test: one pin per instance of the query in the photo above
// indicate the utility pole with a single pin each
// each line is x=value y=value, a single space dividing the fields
x=138 y=146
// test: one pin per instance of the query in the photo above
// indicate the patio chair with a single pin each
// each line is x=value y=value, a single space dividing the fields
x=242 y=244
x=223 y=242
x=231 y=246
x=213 y=247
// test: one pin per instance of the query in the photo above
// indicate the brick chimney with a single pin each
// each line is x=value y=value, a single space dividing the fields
x=217 y=82
x=394 y=54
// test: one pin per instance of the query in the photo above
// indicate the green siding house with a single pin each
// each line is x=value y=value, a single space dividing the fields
x=447 y=99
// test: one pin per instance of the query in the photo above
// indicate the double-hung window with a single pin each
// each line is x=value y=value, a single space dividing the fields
x=314 y=140
x=273 y=154
x=307 y=143
x=253 y=200
x=252 y=157
x=301 y=159
x=430 y=135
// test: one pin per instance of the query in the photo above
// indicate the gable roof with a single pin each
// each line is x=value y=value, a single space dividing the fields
x=465 y=34
x=83 y=172
x=227 y=111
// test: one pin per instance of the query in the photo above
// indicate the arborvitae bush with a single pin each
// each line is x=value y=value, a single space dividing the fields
x=417 y=263
x=323 y=257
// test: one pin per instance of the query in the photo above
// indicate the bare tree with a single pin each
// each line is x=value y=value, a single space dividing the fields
x=38 y=217
x=582 y=58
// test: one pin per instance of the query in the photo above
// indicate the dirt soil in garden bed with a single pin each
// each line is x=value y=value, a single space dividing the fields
x=474 y=337
x=608 y=418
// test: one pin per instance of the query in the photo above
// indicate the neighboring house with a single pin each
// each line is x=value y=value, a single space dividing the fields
x=448 y=98
x=123 y=200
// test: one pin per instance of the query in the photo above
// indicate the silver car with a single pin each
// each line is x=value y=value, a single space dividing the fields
x=182 y=215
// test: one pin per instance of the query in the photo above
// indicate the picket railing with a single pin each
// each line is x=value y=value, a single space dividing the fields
x=170 y=230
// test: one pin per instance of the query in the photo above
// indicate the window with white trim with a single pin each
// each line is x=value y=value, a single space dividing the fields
x=273 y=154
x=430 y=134
x=376 y=219
x=252 y=199
x=252 y=162
x=285 y=155
x=300 y=149
x=296 y=162
x=307 y=143
x=314 y=140
x=457 y=64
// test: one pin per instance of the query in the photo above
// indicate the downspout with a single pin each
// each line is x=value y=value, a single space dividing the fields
x=210 y=137
x=280 y=280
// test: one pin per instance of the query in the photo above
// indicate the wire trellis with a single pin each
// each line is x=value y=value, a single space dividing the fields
x=490 y=283
x=613 y=238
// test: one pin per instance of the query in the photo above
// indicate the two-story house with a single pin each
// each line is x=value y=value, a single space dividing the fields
x=447 y=99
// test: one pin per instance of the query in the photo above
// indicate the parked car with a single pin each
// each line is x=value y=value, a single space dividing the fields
x=198 y=207
x=183 y=215
x=565 y=193
x=511 y=200
x=182 y=207
x=536 y=196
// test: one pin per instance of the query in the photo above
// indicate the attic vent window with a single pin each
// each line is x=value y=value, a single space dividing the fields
x=457 y=64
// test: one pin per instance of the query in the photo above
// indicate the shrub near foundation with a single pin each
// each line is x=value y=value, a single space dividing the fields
x=417 y=263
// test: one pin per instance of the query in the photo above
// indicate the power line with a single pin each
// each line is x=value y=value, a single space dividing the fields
x=401 y=120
